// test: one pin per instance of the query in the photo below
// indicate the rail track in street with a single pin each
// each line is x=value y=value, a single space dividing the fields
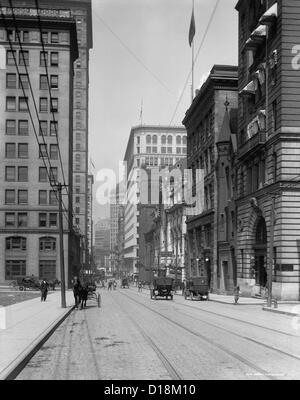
x=220 y=346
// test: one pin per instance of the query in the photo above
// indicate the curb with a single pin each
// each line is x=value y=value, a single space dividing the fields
x=14 y=369
x=238 y=304
x=276 y=311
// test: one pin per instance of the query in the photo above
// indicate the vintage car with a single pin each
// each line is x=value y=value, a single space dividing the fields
x=124 y=283
x=26 y=282
x=197 y=288
x=162 y=287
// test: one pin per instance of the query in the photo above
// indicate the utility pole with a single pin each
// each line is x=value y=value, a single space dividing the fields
x=176 y=261
x=271 y=253
x=61 y=239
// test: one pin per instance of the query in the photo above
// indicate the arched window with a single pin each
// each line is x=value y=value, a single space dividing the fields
x=148 y=139
x=16 y=243
x=178 y=140
x=154 y=139
x=184 y=140
x=47 y=244
x=261 y=232
x=170 y=139
x=163 y=139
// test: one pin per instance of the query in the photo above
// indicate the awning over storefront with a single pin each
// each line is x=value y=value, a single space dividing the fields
x=248 y=89
x=259 y=34
x=269 y=17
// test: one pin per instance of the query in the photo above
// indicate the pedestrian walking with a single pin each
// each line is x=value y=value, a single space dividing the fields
x=236 y=294
x=76 y=291
x=140 y=286
x=44 y=290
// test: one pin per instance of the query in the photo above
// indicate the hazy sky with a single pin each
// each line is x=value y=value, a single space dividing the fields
x=141 y=54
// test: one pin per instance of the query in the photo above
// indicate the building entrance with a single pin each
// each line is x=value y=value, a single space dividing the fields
x=260 y=249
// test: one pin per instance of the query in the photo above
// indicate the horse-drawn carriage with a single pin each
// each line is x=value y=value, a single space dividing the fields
x=197 y=288
x=162 y=287
x=26 y=282
x=124 y=283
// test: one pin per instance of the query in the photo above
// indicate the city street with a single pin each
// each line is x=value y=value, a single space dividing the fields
x=132 y=337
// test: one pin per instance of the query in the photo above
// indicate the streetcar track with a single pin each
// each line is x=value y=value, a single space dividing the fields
x=241 y=336
x=210 y=341
x=166 y=363
x=240 y=320
x=92 y=347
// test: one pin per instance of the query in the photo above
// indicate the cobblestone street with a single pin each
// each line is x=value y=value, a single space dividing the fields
x=132 y=337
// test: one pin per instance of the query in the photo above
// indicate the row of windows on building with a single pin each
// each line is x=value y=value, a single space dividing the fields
x=21 y=127
x=19 y=243
x=21 y=150
x=22 y=58
x=20 y=174
x=20 y=196
x=20 y=220
x=20 y=104
x=205 y=162
x=204 y=131
x=157 y=161
x=153 y=139
x=162 y=150
x=15 y=81
x=16 y=268
x=51 y=37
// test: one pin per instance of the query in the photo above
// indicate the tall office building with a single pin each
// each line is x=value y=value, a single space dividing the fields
x=148 y=147
x=36 y=128
x=81 y=12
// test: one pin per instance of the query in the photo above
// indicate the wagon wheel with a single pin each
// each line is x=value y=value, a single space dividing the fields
x=21 y=288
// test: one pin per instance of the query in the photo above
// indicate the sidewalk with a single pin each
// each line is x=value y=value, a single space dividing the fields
x=27 y=326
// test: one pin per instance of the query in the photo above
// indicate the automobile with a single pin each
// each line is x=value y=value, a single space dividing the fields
x=162 y=287
x=26 y=282
x=197 y=289
x=125 y=283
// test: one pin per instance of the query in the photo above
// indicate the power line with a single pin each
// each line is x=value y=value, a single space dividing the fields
x=197 y=55
x=133 y=54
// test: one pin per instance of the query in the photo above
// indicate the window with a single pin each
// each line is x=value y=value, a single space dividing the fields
x=47 y=244
x=148 y=149
x=53 y=152
x=23 y=197
x=10 y=220
x=53 y=220
x=43 y=174
x=77 y=221
x=43 y=82
x=148 y=139
x=23 y=101
x=24 y=57
x=77 y=178
x=43 y=150
x=53 y=128
x=43 y=197
x=10 y=35
x=48 y=269
x=77 y=199
x=154 y=150
x=54 y=105
x=163 y=140
x=54 y=59
x=16 y=243
x=11 y=128
x=274 y=116
x=164 y=150
x=10 y=197
x=54 y=81
x=170 y=150
x=178 y=150
x=170 y=139
x=11 y=81
x=23 y=81
x=43 y=128
x=23 y=150
x=11 y=104
x=10 y=150
x=53 y=198
x=15 y=268
x=45 y=37
x=43 y=58
x=54 y=174
x=42 y=220
x=77 y=210
x=154 y=139
x=23 y=174
x=10 y=174
x=22 y=220
x=43 y=104
x=25 y=36
x=178 y=140
x=54 y=37
x=10 y=57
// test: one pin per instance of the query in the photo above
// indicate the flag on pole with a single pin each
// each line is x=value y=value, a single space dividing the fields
x=192 y=29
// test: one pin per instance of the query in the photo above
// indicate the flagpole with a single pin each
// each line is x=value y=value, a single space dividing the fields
x=193 y=62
